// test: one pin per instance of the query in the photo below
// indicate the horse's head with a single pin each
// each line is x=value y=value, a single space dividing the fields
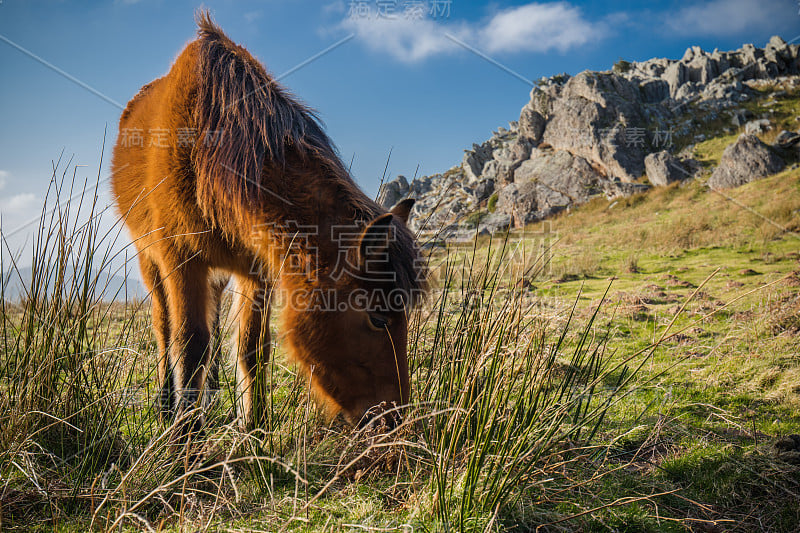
x=350 y=329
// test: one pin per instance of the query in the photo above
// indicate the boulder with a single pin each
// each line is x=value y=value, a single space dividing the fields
x=518 y=202
x=614 y=188
x=506 y=159
x=787 y=139
x=531 y=124
x=494 y=222
x=663 y=168
x=654 y=91
x=757 y=126
x=475 y=159
x=740 y=117
x=489 y=171
x=745 y=160
x=483 y=189
x=422 y=185
x=546 y=184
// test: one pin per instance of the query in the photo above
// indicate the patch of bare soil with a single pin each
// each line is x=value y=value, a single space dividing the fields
x=793 y=279
x=788 y=449
x=784 y=315
x=675 y=282
x=749 y=272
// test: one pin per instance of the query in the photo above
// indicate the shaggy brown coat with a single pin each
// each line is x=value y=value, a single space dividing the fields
x=219 y=171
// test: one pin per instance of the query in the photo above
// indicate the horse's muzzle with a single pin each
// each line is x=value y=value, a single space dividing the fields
x=383 y=417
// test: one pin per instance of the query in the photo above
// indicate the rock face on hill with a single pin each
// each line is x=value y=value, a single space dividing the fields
x=597 y=133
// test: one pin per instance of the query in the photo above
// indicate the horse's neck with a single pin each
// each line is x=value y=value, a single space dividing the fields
x=316 y=219
x=311 y=245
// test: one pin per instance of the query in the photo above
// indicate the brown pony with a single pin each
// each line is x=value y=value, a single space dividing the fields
x=219 y=171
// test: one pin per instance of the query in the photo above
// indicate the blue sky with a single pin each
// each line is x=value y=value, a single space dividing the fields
x=394 y=82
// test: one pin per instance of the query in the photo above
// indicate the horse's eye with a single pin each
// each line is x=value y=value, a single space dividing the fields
x=378 y=322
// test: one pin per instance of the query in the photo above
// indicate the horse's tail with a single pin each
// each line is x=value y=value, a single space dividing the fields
x=244 y=119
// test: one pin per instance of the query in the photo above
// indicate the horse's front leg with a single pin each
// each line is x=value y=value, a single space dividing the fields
x=253 y=349
x=218 y=282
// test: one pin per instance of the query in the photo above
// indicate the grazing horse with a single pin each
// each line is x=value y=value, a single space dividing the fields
x=218 y=171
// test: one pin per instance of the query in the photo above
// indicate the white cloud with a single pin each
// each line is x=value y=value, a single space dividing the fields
x=253 y=16
x=539 y=28
x=730 y=17
x=3 y=178
x=534 y=27
x=18 y=203
x=405 y=39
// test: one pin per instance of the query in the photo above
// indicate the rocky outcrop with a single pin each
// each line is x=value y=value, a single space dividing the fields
x=599 y=116
x=745 y=160
x=599 y=133
x=717 y=76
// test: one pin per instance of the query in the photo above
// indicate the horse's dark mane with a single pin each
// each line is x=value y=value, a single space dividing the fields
x=258 y=122
x=255 y=119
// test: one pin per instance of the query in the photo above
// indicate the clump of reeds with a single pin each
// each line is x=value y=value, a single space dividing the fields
x=502 y=399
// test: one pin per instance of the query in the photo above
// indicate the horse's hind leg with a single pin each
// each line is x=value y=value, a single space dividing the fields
x=158 y=298
x=253 y=347
x=187 y=288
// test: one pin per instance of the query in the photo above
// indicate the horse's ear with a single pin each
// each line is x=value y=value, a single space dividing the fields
x=374 y=239
x=403 y=209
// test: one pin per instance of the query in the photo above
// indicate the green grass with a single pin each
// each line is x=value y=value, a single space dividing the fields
x=622 y=367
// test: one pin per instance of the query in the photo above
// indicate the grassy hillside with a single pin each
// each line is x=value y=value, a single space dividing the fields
x=632 y=366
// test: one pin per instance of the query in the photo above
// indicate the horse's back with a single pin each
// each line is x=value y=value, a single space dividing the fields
x=152 y=178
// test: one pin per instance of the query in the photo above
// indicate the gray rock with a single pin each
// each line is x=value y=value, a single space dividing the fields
x=546 y=184
x=711 y=76
x=663 y=168
x=675 y=76
x=593 y=131
x=518 y=202
x=723 y=93
x=505 y=172
x=740 y=117
x=787 y=139
x=483 y=189
x=505 y=161
x=654 y=91
x=757 y=126
x=393 y=191
x=702 y=69
x=475 y=159
x=614 y=188
x=531 y=124
x=745 y=160
x=494 y=222
x=489 y=171
x=422 y=185
x=586 y=120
